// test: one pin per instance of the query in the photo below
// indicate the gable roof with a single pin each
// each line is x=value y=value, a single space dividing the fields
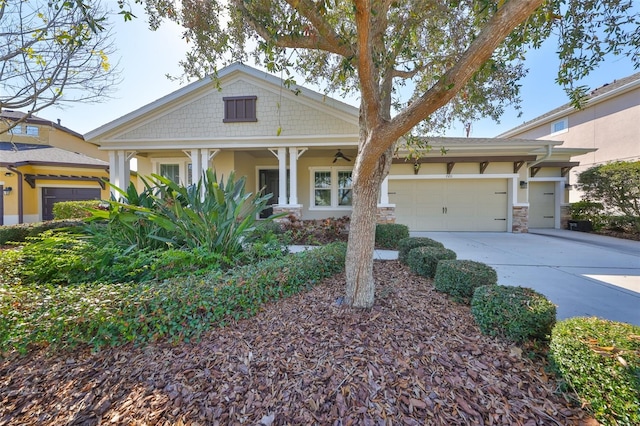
x=602 y=93
x=17 y=154
x=224 y=73
x=11 y=115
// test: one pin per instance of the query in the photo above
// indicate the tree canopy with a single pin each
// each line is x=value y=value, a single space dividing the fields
x=52 y=52
x=416 y=65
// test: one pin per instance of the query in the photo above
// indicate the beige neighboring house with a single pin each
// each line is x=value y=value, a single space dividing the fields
x=608 y=124
x=43 y=162
x=300 y=145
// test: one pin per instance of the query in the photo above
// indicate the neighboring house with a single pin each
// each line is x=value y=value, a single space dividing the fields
x=608 y=124
x=300 y=145
x=42 y=162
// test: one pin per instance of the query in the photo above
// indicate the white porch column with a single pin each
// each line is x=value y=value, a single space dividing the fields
x=196 y=165
x=113 y=172
x=293 y=176
x=207 y=156
x=123 y=169
x=282 y=169
x=384 y=191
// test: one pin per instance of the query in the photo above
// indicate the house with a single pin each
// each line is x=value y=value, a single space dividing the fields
x=300 y=145
x=608 y=124
x=42 y=162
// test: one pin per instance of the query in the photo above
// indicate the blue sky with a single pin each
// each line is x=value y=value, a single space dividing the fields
x=145 y=58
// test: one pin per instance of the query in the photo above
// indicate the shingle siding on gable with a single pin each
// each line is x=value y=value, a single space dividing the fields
x=203 y=117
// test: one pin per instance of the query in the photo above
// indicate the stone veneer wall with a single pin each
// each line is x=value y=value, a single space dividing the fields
x=520 y=219
x=295 y=211
x=386 y=215
x=565 y=215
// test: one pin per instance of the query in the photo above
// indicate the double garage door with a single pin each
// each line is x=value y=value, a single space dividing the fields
x=451 y=204
x=55 y=195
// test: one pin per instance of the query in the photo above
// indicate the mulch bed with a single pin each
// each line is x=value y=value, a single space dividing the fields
x=416 y=358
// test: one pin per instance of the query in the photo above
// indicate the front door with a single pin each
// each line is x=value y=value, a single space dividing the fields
x=269 y=184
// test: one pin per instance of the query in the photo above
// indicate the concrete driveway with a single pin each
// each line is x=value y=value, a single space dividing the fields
x=583 y=274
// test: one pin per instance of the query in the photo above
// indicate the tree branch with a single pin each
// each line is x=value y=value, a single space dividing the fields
x=506 y=19
x=307 y=9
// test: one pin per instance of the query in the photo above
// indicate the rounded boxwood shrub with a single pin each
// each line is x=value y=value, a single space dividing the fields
x=424 y=260
x=515 y=313
x=460 y=278
x=388 y=235
x=600 y=361
x=405 y=245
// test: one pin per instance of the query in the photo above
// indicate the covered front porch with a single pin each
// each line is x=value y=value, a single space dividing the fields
x=306 y=182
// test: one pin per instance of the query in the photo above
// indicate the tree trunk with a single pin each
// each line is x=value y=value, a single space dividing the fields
x=360 y=288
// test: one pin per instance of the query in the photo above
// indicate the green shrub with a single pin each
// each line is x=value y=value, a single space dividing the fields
x=178 y=309
x=388 y=235
x=600 y=361
x=19 y=233
x=405 y=245
x=460 y=278
x=588 y=210
x=75 y=209
x=515 y=313
x=623 y=223
x=424 y=260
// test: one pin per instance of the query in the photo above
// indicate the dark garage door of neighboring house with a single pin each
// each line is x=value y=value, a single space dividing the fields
x=55 y=195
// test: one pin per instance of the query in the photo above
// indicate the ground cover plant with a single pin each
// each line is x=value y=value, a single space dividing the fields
x=99 y=314
x=600 y=361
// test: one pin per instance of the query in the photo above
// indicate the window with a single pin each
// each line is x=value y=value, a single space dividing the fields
x=332 y=188
x=33 y=131
x=239 y=109
x=560 y=126
x=16 y=130
x=170 y=171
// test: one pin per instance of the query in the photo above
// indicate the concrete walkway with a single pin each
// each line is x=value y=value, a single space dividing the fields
x=583 y=274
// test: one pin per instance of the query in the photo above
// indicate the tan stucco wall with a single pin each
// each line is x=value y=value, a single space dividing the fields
x=611 y=126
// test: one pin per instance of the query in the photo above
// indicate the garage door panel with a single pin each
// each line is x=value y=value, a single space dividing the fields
x=450 y=205
x=50 y=196
x=542 y=203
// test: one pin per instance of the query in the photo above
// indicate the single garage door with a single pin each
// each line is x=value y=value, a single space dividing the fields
x=451 y=204
x=54 y=195
x=542 y=204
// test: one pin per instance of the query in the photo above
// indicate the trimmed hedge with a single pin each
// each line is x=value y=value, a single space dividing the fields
x=407 y=244
x=178 y=309
x=515 y=313
x=19 y=233
x=600 y=361
x=460 y=278
x=389 y=234
x=74 y=209
x=424 y=260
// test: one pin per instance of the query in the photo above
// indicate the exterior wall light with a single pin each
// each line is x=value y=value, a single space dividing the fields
x=523 y=184
x=7 y=190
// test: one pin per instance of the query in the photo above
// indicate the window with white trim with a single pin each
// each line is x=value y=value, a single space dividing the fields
x=331 y=188
x=16 y=130
x=560 y=126
x=170 y=171
x=33 y=131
